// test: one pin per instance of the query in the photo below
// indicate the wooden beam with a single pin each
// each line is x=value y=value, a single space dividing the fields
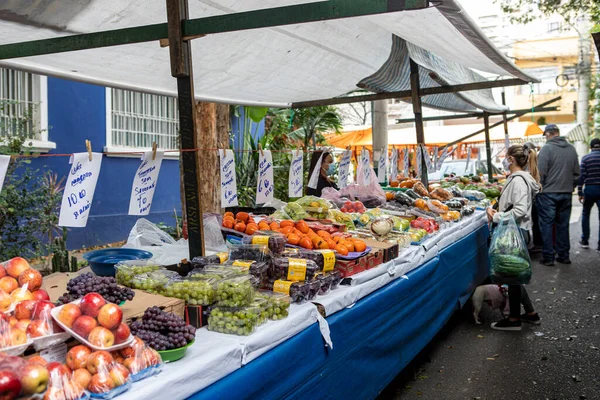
x=474 y=115
x=265 y=18
x=181 y=68
x=406 y=94
x=418 y=111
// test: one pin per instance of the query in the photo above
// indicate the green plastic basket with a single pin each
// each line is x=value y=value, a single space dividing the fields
x=395 y=189
x=175 y=354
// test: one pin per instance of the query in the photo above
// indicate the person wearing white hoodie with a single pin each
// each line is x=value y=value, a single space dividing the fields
x=516 y=200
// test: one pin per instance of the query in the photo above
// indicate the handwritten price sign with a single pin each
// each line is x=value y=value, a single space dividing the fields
x=394 y=166
x=296 y=177
x=229 y=196
x=265 y=186
x=144 y=184
x=79 y=190
x=382 y=166
x=344 y=172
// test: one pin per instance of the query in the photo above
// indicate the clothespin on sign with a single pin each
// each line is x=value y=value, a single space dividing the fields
x=88 y=146
x=154 y=151
x=261 y=150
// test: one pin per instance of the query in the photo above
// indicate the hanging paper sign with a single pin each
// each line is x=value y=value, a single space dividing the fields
x=344 y=171
x=79 y=190
x=468 y=158
x=382 y=166
x=445 y=154
x=296 y=176
x=479 y=154
x=419 y=160
x=427 y=157
x=264 y=188
x=314 y=177
x=406 y=162
x=435 y=158
x=506 y=141
x=144 y=183
x=364 y=168
x=394 y=166
x=4 y=161
x=229 y=196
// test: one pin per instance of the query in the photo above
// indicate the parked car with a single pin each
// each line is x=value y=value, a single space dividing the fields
x=460 y=168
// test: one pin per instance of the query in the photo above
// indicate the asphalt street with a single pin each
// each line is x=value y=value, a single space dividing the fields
x=559 y=359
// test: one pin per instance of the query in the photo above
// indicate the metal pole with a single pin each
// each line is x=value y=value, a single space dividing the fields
x=505 y=121
x=415 y=88
x=488 y=147
x=181 y=68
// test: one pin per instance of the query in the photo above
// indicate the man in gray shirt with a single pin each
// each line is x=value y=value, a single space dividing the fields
x=559 y=174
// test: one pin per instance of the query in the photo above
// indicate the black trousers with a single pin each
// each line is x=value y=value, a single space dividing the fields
x=517 y=295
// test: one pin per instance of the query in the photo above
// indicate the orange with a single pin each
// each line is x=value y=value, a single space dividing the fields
x=359 y=245
x=251 y=229
x=228 y=214
x=286 y=229
x=293 y=239
x=274 y=226
x=228 y=224
x=243 y=216
x=263 y=226
x=324 y=234
x=240 y=227
x=323 y=245
x=331 y=244
x=302 y=226
x=336 y=239
x=394 y=184
x=228 y=218
x=349 y=245
x=285 y=223
x=341 y=249
x=306 y=243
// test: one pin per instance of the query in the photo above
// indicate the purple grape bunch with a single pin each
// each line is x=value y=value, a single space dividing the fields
x=162 y=330
x=104 y=285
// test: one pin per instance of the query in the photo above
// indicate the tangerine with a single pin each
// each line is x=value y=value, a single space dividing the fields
x=242 y=216
x=331 y=244
x=341 y=249
x=251 y=229
x=285 y=223
x=286 y=229
x=274 y=226
x=228 y=224
x=228 y=214
x=306 y=243
x=323 y=245
x=359 y=245
x=240 y=227
x=324 y=234
x=349 y=245
x=302 y=226
x=293 y=239
x=263 y=226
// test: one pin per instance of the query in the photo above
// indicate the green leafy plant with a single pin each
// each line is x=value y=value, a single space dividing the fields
x=524 y=11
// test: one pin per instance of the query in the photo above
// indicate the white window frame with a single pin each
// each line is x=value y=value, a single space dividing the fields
x=40 y=95
x=116 y=151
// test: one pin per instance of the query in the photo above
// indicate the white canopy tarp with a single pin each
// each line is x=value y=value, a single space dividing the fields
x=271 y=66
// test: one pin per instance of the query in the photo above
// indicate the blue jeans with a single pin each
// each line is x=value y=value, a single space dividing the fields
x=555 y=209
x=591 y=196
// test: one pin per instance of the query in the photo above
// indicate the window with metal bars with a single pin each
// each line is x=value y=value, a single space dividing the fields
x=20 y=105
x=138 y=119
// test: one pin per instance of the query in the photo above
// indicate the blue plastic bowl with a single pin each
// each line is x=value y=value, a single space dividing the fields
x=103 y=261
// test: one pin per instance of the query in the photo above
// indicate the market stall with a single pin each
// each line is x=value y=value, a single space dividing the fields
x=393 y=265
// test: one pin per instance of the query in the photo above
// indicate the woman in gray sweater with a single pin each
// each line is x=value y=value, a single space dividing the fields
x=516 y=200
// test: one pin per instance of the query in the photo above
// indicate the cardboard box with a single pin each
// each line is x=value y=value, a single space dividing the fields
x=390 y=250
x=375 y=258
x=351 y=267
x=56 y=284
x=197 y=316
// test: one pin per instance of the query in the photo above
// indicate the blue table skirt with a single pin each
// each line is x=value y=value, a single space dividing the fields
x=373 y=341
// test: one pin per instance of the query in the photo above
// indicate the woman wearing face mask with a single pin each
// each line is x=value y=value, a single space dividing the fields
x=327 y=169
x=516 y=199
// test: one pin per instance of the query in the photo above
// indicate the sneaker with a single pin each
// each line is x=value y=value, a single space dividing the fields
x=547 y=263
x=506 y=325
x=584 y=244
x=564 y=260
x=532 y=319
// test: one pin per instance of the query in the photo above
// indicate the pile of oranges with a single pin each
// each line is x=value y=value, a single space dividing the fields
x=297 y=233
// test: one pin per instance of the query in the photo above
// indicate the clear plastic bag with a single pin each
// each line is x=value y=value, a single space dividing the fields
x=110 y=380
x=473 y=195
x=142 y=361
x=127 y=270
x=63 y=386
x=509 y=259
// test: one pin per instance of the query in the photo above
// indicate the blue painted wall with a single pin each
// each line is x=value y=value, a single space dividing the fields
x=76 y=111
x=237 y=129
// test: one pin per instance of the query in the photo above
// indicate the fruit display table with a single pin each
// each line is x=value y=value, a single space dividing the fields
x=376 y=328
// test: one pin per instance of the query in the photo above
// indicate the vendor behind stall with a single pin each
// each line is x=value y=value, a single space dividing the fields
x=326 y=169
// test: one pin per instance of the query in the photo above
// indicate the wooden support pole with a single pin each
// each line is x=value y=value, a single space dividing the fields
x=415 y=88
x=505 y=120
x=181 y=68
x=488 y=146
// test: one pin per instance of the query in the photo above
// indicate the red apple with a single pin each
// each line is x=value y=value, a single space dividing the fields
x=134 y=365
x=2 y=271
x=101 y=383
x=34 y=378
x=20 y=294
x=42 y=310
x=77 y=356
x=119 y=374
x=53 y=393
x=91 y=304
x=83 y=377
x=32 y=278
x=101 y=337
x=39 y=328
x=121 y=333
x=40 y=294
x=12 y=321
x=68 y=314
x=23 y=324
x=151 y=356
x=24 y=310
x=56 y=369
x=15 y=266
x=8 y=284
x=127 y=352
x=98 y=359
x=110 y=316
x=4 y=300
x=84 y=325
x=38 y=359
x=10 y=386
x=17 y=337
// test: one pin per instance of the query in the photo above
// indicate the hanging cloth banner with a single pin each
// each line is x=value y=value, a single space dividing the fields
x=229 y=196
x=394 y=166
x=382 y=166
x=406 y=162
x=427 y=157
x=435 y=158
x=265 y=185
x=364 y=168
x=79 y=189
x=418 y=162
x=314 y=177
x=468 y=158
x=4 y=162
x=144 y=183
x=344 y=170
x=296 y=177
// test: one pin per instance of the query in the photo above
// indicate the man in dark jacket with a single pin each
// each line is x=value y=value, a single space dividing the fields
x=589 y=190
x=559 y=175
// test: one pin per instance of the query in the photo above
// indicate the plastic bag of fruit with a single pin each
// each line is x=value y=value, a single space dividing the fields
x=13 y=338
x=314 y=202
x=140 y=360
x=22 y=378
x=41 y=327
x=64 y=384
x=109 y=379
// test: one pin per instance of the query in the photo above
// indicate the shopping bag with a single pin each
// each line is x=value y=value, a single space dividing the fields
x=509 y=259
